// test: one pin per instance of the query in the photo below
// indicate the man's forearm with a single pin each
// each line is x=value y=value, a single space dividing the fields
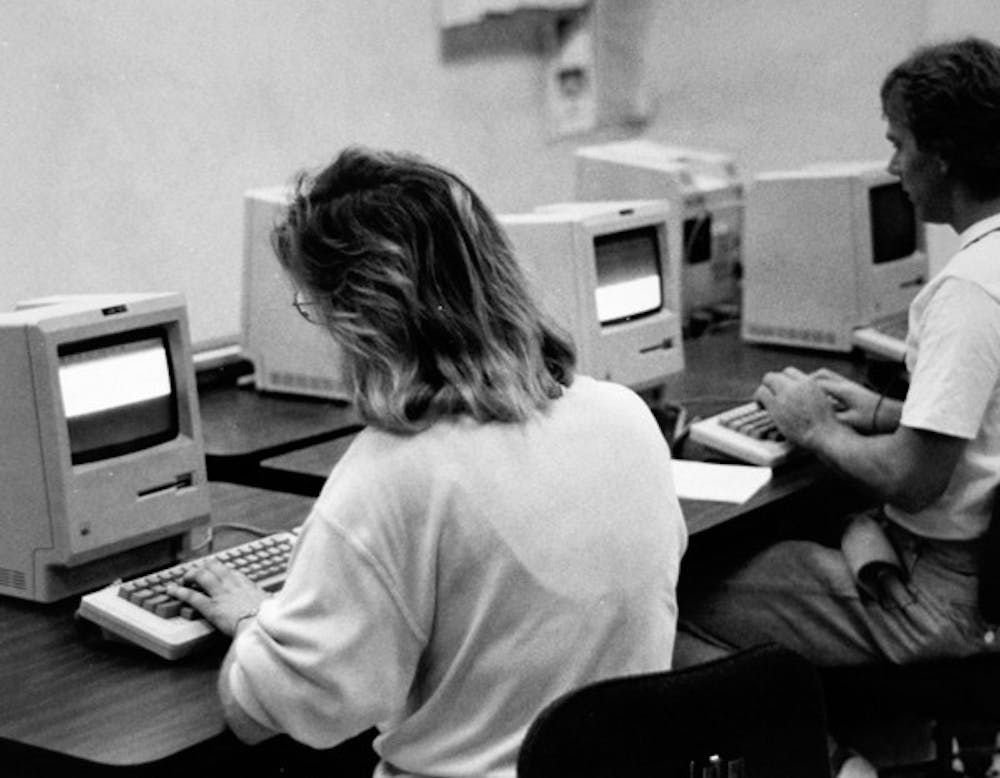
x=871 y=460
x=909 y=468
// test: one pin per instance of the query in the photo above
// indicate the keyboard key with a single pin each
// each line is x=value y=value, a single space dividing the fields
x=168 y=609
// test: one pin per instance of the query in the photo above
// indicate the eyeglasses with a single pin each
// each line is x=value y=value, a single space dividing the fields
x=306 y=308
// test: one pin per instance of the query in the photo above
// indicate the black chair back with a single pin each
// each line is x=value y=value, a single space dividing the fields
x=756 y=714
x=989 y=569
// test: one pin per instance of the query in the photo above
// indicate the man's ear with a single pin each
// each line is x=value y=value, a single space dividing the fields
x=943 y=154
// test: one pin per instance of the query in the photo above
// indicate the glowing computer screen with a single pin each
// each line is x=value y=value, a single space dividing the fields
x=628 y=274
x=118 y=395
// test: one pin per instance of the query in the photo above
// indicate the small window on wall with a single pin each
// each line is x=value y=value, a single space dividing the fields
x=457 y=13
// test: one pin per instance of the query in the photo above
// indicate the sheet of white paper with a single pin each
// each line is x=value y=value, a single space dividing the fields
x=713 y=481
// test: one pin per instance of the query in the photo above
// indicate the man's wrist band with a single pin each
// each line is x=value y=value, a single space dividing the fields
x=878 y=405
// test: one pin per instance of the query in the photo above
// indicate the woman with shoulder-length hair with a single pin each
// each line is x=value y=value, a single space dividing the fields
x=500 y=532
x=415 y=280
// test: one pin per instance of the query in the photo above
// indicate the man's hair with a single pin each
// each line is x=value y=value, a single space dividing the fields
x=416 y=281
x=948 y=96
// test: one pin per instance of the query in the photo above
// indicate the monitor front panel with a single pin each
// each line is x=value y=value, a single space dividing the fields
x=634 y=335
x=608 y=274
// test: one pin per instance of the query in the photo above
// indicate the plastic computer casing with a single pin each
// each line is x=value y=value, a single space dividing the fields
x=814 y=265
x=287 y=351
x=124 y=495
x=703 y=185
x=560 y=248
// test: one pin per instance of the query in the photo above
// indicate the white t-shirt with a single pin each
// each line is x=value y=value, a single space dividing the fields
x=953 y=355
x=447 y=585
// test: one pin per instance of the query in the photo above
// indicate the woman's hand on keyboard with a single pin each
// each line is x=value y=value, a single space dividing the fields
x=222 y=595
x=854 y=404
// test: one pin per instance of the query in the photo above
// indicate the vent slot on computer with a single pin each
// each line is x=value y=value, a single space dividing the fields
x=793 y=334
x=299 y=381
x=12 y=579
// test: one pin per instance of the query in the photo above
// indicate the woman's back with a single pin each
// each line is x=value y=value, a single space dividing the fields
x=465 y=576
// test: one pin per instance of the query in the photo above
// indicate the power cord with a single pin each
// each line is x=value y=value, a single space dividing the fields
x=206 y=546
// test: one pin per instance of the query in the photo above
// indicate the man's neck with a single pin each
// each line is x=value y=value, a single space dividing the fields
x=968 y=211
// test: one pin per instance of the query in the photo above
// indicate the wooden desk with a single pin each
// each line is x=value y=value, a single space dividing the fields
x=241 y=427
x=312 y=464
x=720 y=372
x=247 y=433
x=66 y=690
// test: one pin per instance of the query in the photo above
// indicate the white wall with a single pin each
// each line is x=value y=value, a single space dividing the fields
x=947 y=18
x=779 y=83
x=131 y=129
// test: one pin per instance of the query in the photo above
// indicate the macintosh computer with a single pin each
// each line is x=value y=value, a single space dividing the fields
x=833 y=257
x=702 y=185
x=101 y=456
x=280 y=343
x=608 y=273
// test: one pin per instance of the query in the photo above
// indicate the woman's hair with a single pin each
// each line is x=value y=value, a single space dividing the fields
x=948 y=96
x=417 y=283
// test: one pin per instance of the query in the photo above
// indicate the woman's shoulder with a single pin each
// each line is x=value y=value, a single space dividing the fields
x=598 y=392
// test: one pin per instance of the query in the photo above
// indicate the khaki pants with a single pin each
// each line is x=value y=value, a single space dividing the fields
x=802 y=594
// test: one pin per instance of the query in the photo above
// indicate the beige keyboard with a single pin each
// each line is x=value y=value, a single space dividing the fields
x=140 y=611
x=884 y=338
x=746 y=433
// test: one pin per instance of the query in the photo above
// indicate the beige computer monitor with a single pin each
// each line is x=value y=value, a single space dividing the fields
x=287 y=351
x=703 y=185
x=829 y=248
x=608 y=273
x=102 y=466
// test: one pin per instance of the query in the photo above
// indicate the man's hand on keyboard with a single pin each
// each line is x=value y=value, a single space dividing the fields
x=798 y=404
x=222 y=595
x=854 y=404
